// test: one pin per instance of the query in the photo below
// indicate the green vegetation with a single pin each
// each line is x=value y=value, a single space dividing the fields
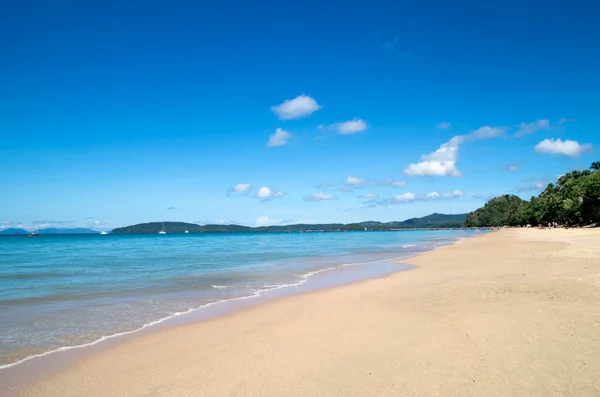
x=430 y=221
x=499 y=211
x=573 y=200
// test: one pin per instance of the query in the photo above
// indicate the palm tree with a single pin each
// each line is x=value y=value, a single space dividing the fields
x=595 y=166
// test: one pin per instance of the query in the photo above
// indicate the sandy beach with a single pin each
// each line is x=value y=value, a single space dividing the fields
x=512 y=313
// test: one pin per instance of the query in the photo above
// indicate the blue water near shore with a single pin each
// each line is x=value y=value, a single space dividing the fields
x=60 y=291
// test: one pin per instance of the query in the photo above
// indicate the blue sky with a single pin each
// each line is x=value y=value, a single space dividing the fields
x=115 y=113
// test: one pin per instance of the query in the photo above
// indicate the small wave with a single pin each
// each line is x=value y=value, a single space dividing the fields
x=409 y=245
x=222 y=286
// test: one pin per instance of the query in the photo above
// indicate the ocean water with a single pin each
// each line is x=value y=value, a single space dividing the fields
x=61 y=291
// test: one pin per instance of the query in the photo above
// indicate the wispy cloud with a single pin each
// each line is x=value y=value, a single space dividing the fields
x=394 y=183
x=368 y=196
x=349 y=127
x=442 y=162
x=533 y=184
x=512 y=167
x=239 y=189
x=301 y=106
x=409 y=197
x=565 y=148
x=319 y=197
x=391 y=45
x=531 y=128
x=353 y=182
x=564 y=120
x=444 y=126
x=279 y=138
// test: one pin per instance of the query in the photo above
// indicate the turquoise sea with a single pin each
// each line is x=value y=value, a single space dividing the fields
x=61 y=291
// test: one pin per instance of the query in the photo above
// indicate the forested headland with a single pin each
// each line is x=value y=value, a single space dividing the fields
x=574 y=199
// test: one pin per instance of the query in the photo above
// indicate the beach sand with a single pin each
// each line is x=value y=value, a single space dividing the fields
x=512 y=313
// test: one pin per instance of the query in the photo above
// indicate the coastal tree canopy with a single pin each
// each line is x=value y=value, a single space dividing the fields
x=574 y=199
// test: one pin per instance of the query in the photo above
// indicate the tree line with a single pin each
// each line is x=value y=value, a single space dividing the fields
x=574 y=199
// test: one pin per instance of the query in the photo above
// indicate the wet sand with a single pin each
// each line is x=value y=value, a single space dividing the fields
x=508 y=313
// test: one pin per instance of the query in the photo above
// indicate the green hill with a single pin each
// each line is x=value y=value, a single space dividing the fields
x=573 y=199
x=13 y=230
x=437 y=220
x=430 y=221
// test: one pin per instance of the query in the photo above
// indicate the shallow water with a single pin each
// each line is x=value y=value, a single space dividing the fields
x=58 y=291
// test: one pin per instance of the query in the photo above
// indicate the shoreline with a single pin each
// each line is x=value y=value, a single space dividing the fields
x=461 y=301
x=366 y=258
x=14 y=375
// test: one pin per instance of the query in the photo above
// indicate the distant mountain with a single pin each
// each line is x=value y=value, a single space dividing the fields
x=432 y=221
x=13 y=230
x=437 y=220
x=78 y=230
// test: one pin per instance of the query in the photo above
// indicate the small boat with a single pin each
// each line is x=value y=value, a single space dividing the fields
x=103 y=233
x=163 y=231
x=35 y=233
x=186 y=232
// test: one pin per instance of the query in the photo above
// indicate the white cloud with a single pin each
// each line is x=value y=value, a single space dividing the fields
x=239 y=189
x=351 y=126
x=566 y=148
x=301 y=106
x=353 y=181
x=478 y=196
x=279 y=138
x=368 y=196
x=437 y=196
x=531 y=128
x=266 y=221
x=432 y=168
x=242 y=188
x=444 y=126
x=533 y=184
x=410 y=197
x=398 y=183
x=319 y=197
x=433 y=196
x=512 y=168
x=404 y=197
x=484 y=132
x=454 y=194
x=266 y=193
x=442 y=162
x=537 y=185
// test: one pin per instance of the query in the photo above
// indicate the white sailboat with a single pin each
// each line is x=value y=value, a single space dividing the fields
x=163 y=231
